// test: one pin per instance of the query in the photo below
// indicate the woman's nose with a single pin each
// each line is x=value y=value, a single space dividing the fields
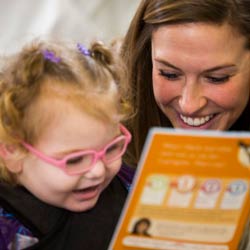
x=192 y=98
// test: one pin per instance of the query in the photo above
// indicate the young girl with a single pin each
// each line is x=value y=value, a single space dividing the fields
x=61 y=147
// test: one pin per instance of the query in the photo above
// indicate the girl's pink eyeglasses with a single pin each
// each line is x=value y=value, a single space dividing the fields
x=82 y=161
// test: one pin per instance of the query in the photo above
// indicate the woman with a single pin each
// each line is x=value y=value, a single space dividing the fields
x=189 y=66
x=141 y=227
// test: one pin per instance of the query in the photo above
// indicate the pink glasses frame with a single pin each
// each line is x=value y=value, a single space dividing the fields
x=62 y=163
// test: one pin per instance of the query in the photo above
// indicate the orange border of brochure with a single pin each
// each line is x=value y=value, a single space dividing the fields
x=158 y=141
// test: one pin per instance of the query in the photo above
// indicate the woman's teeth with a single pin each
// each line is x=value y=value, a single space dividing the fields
x=196 y=121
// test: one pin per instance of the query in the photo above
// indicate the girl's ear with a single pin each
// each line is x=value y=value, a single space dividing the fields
x=11 y=158
x=5 y=150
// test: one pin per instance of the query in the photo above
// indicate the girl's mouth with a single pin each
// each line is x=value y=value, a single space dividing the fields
x=86 y=193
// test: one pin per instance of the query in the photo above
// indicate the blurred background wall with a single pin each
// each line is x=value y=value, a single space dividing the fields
x=77 y=20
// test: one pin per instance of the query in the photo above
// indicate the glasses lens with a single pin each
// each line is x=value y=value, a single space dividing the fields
x=115 y=150
x=79 y=163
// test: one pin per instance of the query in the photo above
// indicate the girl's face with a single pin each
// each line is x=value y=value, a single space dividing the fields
x=71 y=130
x=201 y=75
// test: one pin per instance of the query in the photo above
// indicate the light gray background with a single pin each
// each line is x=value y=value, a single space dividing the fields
x=77 y=20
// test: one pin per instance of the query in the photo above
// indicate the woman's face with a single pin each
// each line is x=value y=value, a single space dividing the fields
x=201 y=75
x=142 y=227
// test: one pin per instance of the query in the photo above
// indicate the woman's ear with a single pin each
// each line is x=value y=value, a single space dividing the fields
x=11 y=158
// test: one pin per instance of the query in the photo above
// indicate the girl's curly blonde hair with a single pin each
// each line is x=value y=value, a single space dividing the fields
x=93 y=81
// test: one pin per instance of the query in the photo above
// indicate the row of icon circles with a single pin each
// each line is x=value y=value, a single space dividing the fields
x=188 y=183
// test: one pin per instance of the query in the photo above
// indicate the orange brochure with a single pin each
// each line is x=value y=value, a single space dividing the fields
x=190 y=192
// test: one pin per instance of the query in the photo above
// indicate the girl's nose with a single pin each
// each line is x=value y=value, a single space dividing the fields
x=97 y=171
x=191 y=99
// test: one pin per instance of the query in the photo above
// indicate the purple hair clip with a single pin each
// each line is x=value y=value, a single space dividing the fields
x=83 y=49
x=50 y=55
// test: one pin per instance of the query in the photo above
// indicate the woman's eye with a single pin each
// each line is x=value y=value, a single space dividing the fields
x=213 y=79
x=169 y=76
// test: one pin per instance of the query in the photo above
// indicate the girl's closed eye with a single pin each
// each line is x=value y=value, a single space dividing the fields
x=114 y=149
x=75 y=160
x=171 y=76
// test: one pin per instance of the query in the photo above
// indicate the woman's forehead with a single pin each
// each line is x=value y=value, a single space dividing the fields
x=204 y=42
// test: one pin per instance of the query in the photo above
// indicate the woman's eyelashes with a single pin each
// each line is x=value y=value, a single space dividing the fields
x=174 y=76
x=221 y=79
x=171 y=76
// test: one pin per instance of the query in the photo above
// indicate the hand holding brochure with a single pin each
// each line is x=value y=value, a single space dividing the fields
x=191 y=192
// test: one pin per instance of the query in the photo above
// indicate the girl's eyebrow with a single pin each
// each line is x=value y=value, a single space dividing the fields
x=216 y=68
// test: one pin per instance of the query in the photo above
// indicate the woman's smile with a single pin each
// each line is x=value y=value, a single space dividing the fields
x=196 y=121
